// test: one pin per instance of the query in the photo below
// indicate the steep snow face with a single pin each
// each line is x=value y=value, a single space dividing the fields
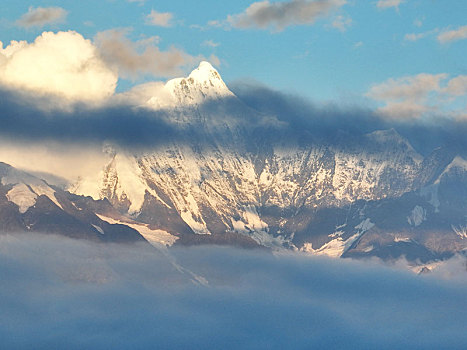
x=219 y=185
x=121 y=180
x=26 y=188
x=22 y=196
x=385 y=165
x=203 y=84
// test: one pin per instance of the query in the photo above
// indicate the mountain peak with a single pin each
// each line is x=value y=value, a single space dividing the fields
x=205 y=66
x=207 y=73
x=202 y=84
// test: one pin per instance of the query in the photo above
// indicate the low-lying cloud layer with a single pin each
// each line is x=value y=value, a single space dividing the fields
x=60 y=293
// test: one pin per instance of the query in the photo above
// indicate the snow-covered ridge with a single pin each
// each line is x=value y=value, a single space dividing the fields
x=26 y=188
x=220 y=181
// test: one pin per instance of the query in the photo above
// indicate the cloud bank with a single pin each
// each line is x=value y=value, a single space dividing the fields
x=330 y=122
x=22 y=120
x=279 y=15
x=41 y=16
x=120 y=122
x=59 y=293
x=63 y=64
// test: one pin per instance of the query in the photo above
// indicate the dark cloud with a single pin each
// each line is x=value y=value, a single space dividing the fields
x=31 y=118
x=331 y=122
x=264 y=113
x=122 y=124
x=59 y=293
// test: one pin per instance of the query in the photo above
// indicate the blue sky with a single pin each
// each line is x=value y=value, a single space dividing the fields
x=338 y=53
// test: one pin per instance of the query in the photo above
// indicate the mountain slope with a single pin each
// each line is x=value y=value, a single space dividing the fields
x=244 y=172
x=29 y=204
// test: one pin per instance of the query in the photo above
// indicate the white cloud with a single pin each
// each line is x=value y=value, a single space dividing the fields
x=418 y=36
x=342 y=23
x=403 y=110
x=457 y=86
x=210 y=43
x=63 y=64
x=143 y=57
x=279 y=15
x=414 y=36
x=388 y=3
x=152 y=40
x=418 y=22
x=160 y=19
x=453 y=35
x=409 y=87
x=59 y=69
x=40 y=16
x=216 y=24
x=413 y=96
x=358 y=44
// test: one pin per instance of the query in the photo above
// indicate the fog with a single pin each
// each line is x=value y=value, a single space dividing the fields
x=58 y=293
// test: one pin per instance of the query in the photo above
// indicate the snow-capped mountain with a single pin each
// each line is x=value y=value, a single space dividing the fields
x=233 y=175
x=247 y=173
x=29 y=204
